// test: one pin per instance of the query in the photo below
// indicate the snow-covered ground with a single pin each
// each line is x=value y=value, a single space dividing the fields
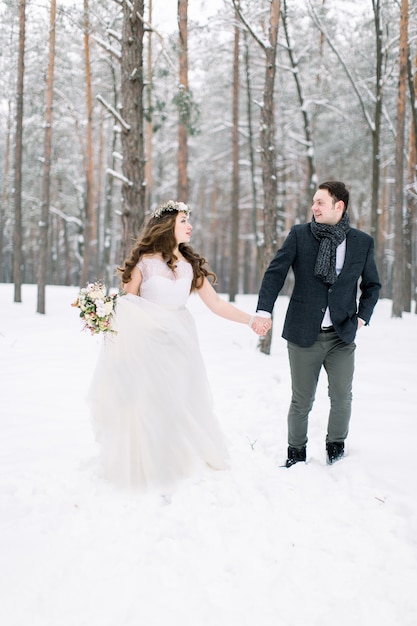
x=257 y=545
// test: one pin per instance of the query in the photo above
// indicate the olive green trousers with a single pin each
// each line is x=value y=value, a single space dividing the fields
x=338 y=360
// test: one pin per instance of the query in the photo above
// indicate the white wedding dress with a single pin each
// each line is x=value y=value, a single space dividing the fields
x=150 y=400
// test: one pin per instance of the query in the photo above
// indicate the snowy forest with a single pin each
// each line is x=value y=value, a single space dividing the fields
x=237 y=107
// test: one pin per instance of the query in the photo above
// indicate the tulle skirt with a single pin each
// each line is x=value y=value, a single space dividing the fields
x=150 y=400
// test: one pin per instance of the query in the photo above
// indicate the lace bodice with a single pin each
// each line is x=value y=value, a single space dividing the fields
x=163 y=286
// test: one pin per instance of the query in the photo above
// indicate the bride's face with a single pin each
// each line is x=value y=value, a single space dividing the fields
x=182 y=229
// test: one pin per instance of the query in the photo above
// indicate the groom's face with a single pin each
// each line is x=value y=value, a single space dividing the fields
x=325 y=209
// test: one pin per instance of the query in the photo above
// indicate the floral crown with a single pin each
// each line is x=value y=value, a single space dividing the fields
x=171 y=206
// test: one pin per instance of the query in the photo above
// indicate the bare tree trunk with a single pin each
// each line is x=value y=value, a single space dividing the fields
x=47 y=151
x=412 y=84
x=267 y=142
x=5 y=193
x=254 y=212
x=321 y=53
x=268 y=154
x=67 y=256
x=234 y=248
x=411 y=197
x=182 y=191
x=308 y=135
x=90 y=219
x=108 y=203
x=17 y=233
x=398 y=270
x=133 y=189
x=376 y=132
x=149 y=120
x=99 y=187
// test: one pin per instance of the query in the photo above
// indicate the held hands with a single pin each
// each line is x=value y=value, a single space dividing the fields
x=260 y=325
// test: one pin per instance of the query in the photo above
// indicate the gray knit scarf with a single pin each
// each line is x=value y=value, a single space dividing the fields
x=329 y=237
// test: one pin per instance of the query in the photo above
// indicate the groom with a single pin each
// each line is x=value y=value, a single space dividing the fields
x=329 y=259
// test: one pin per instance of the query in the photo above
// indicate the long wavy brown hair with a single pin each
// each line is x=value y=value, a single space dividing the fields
x=158 y=237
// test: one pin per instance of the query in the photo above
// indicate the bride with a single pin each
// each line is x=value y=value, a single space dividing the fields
x=150 y=400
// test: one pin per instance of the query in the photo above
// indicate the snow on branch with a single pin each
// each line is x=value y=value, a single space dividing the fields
x=301 y=140
x=263 y=44
x=120 y=177
x=107 y=47
x=67 y=218
x=114 y=34
x=113 y=111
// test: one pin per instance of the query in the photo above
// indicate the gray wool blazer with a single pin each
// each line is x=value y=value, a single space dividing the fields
x=354 y=294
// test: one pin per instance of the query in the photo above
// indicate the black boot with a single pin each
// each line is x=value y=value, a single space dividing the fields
x=335 y=451
x=295 y=455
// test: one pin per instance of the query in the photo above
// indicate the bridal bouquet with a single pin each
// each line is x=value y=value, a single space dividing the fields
x=96 y=308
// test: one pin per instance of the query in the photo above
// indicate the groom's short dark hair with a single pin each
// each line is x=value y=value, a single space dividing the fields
x=337 y=190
